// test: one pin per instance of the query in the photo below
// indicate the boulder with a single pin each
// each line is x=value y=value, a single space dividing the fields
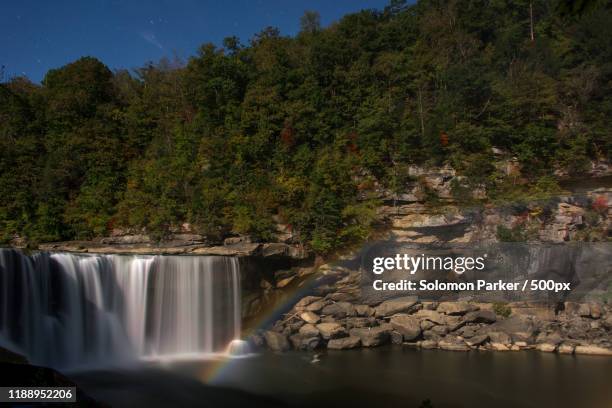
x=373 y=336
x=284 y=282
x=408 y=326
x=331 y=330
x=428 y=344
x=608 y=322
x=352 y=322
x=453 y=344
x=344 y=343
x=566 y=348
x=309 y=330
x=520 y=328
x=295 y=326
x=430 y=335
x=300 y=342
x=546 y=347
x=396 y=337
x=440 y=330
x=339 y=310
x=593 y=349
x=477 y=340
x=393 y=306
x=480 y=316
x=554 y=338
x=276 y=341
x=305 y=301
x=340 y=297
x=584 y=310
x=430 y=315
x=316 y=306
x=468 y=331
x=257 y=341
x=426 y=324
x=499 y=337
x=310 y=317
x=456 y=308
x=364 y=310
x=596 y=310
x=499 y=346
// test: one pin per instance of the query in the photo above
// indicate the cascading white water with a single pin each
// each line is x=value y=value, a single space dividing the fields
x=65 y=310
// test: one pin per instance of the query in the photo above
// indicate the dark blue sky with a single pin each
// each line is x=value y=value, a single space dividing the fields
x=38 y=35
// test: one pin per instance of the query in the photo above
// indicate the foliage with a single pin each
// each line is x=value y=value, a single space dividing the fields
x=502 y=309
x=300 y=130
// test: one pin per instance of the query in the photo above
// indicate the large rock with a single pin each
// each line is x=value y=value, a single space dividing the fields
x=339 y=310
x=453 y=344
x=409 y=327
x=480 y=316
x=456 y=308
x=608 y=322
x=317 y=305
x=554 y=338
x=546 y=347
x=566 y=348
x=276 y=341
x=344 y=343
x=310 y=317
x=309 y=330
x=353 y=322
x=393 y=306
x=300 y=342
x=331 y=330
x=430 y=315
x=305 y=301
x=499 y=337
x=396 y=337
x=372 y=336
x=520 y=328
x=593 y=349
x=477 y=340
x=364 y=310
x=428 y=344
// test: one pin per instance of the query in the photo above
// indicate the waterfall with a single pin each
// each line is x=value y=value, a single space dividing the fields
x=66 y=310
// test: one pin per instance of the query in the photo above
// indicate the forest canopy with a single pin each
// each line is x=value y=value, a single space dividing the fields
x=300 y=129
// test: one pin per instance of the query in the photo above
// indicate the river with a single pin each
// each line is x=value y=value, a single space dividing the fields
x=392 y=376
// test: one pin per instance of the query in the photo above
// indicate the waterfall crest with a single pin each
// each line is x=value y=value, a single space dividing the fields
x=66 y=310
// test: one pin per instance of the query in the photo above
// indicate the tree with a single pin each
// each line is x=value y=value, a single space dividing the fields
x=310 y=22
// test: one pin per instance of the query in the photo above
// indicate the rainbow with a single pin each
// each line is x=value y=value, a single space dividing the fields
x=291 y=295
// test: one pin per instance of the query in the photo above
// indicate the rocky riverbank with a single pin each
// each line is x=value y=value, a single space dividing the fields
x=337 y=320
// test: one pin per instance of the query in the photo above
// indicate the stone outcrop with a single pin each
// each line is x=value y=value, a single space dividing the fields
x=242 y=249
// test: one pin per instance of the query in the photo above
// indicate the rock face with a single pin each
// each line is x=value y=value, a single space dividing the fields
x=141 y=246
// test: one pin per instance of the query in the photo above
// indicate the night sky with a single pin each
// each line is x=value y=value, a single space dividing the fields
x=38 y=35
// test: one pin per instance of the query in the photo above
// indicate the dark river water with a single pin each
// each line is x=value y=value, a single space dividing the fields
x=391 y=376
